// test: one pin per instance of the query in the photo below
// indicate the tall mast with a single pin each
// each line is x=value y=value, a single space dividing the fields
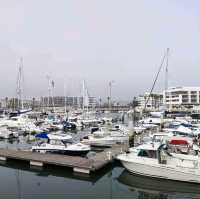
x=110 y=84
x=51 y=86
x=65 y=97
x=165 y=56
x=49 y=91
x=166 y=78
x=85 y=96
x=19 y=85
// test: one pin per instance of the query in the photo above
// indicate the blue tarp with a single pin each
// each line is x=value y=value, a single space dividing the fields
x=42 y=135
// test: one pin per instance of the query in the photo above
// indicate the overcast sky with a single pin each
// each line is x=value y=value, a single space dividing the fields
x=99 y=41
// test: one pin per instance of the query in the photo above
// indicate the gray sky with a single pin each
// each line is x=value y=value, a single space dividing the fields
x=99 y=41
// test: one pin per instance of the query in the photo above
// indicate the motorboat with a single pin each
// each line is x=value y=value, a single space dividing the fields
x=7 y=134
x=154 y=160
x=151 y=120
x=61 y=145
x=104 y=137
x=54 y=136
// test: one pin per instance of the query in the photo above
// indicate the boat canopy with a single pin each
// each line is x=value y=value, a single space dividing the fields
x=178 y=141
x=42 y=136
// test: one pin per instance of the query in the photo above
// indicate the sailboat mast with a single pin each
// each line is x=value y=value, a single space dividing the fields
x=166 y=78
x=156 y=78
x=83 y=95
x=19 y=85
x=51 y=87
x=65 y=97
x=49 y=91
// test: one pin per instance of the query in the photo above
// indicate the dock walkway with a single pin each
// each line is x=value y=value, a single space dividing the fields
x=79 y=164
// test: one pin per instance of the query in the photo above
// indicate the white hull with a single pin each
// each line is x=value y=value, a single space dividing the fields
x=70 y=149
x=105 y=141
x=153 y=169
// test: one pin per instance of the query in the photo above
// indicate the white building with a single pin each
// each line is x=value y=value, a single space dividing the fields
x=178 y=97
x=155 y=101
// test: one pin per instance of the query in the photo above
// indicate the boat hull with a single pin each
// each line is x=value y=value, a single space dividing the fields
x=155 y=170
x=63 y=152
x=148 y=184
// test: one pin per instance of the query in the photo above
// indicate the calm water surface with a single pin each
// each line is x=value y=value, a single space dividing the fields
x=18 y=181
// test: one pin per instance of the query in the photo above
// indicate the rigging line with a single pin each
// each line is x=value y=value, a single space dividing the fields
x=166 y=70
x=155 y=80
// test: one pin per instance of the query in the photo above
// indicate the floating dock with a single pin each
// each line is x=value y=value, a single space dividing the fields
x=78 y=164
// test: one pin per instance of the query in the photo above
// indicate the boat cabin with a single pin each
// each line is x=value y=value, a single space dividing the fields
x=147 y=150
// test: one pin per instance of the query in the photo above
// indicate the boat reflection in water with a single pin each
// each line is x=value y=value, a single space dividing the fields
x=151 y=188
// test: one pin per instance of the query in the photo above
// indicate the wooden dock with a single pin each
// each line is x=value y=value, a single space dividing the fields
x=79 y=164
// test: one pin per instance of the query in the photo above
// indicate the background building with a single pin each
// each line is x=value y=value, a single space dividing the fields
x=61 y=101
x=179 y=97
x=154 y=103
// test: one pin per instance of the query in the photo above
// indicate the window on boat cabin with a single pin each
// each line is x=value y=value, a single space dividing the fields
x=147 y=153
x=65 y=142
x=56 y=142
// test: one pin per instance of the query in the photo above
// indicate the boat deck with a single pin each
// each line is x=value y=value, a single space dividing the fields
x=79 y=164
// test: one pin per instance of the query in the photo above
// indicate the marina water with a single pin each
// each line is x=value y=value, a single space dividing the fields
x=20 y=181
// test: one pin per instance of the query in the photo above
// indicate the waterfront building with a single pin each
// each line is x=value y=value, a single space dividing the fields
x=182 y=97
x=155 y=101
x=13 y=103
x=72 y=101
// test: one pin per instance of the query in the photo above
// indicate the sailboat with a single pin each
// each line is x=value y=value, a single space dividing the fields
x=157 y=117
x=19 y=107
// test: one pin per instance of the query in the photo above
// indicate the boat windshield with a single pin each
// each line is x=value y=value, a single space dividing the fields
x=147 y=153
x=65 y=142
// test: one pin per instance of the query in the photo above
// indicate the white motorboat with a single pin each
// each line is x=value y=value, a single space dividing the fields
x=106 y=138
x=7 y=134
x=153 y=160
x=60 y=144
